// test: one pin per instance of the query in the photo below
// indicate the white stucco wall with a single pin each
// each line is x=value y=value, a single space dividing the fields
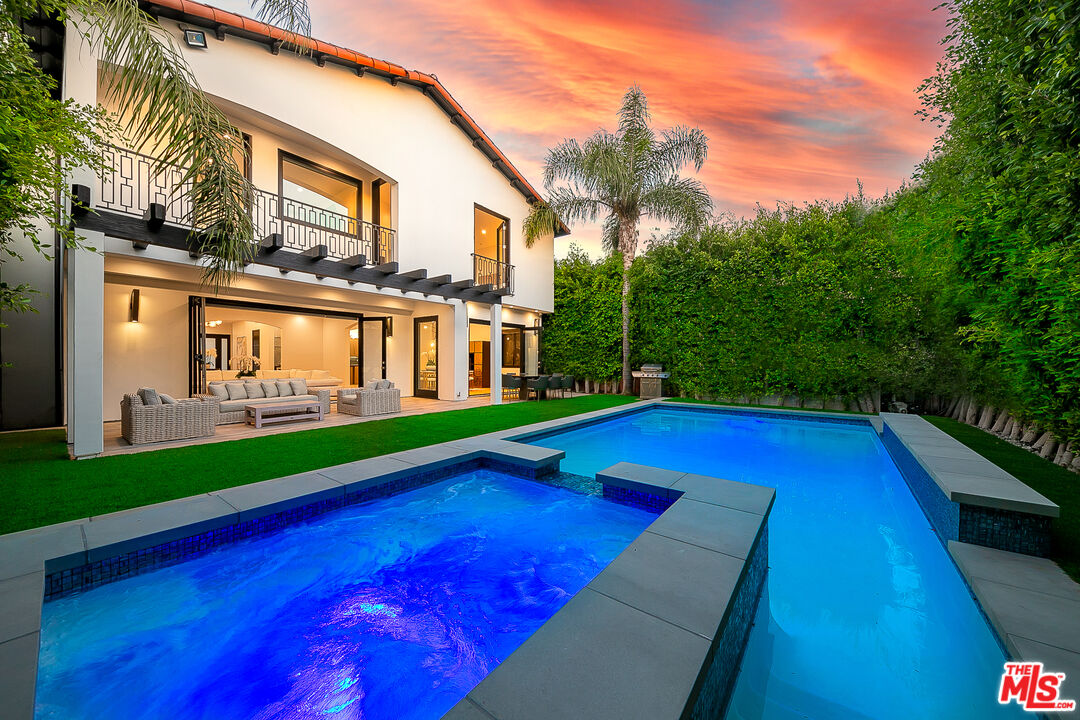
x=403 y=135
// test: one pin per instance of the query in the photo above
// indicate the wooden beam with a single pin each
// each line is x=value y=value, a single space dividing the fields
x=154 y=216
x=133 y=229
x=316 y=252
x=272 y=243
x=355 y=261
x=418 y=274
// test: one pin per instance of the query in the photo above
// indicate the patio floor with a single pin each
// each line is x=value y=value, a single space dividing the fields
x=117 y=445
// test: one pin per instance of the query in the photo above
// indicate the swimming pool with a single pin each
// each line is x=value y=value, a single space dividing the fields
x=394 y=608
x=864 y=615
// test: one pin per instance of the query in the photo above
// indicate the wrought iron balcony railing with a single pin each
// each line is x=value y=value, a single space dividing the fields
x=130 y=185
x=489 y=271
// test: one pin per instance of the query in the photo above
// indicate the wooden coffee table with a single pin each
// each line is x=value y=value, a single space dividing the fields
x=259 y=415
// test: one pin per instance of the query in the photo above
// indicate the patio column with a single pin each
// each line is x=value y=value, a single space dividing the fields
x=84 y=328
x=461 y=350
x=496 y=353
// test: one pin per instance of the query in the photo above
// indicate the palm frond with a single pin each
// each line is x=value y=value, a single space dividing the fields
x=293 y=16
x=684 y=202
x=609 y=237
x=634 y=113
x=565 y=161
x=163 y=110
x=540 y=221
x=681 y=146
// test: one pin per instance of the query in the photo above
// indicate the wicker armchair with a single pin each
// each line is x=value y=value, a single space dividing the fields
x=188 y=418
x=358 y=401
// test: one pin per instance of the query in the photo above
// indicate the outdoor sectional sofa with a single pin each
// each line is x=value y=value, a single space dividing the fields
x=234 y=395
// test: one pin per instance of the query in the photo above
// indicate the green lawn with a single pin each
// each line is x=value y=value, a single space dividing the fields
x=1056 y=483
x=40 y=485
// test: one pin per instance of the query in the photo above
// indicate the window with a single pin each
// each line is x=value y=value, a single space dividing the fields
x=491 y=235
x=317 y=195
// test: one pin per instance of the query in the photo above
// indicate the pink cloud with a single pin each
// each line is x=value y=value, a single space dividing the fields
x=799 y=99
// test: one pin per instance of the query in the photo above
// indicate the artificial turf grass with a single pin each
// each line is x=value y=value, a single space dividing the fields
x=1058 y=484
x=41 y=486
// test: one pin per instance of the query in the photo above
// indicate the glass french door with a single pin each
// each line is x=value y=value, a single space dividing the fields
x=426 y=357
x=373 y=350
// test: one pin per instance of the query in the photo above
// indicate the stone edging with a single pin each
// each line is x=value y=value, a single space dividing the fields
x=659 y=633
x=965 y=496
x=1033 y=606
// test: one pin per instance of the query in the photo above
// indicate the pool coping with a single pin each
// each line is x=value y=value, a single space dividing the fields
x=1031 y=604
x=965 y=496
x=660 y=632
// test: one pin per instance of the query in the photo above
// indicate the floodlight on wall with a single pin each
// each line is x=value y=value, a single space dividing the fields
x=133 y=306
x=195 y=38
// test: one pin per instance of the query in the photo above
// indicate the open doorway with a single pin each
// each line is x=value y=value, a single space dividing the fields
x=234 y=339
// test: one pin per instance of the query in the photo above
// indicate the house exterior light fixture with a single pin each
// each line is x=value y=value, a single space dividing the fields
x=133 y=306
x=195 y=38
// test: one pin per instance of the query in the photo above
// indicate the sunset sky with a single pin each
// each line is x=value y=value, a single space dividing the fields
x=799 y=99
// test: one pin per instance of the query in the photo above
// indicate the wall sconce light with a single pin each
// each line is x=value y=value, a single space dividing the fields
x=354 y=334
x=133 y=306
x=195 y=38
x=389 y=327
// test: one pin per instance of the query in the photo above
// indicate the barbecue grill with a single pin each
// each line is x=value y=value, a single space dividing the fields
x=650 y=380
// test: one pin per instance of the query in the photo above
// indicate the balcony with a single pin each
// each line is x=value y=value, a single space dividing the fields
x=131 y=186
x=489 y=271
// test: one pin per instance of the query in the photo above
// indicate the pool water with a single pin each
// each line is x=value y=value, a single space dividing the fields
x=391 y=609
x=864 y=615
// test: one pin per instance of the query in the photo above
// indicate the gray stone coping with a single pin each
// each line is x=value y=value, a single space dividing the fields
x=26 y=557
x=963 y=475
x=1032 y=605
x=637 y=641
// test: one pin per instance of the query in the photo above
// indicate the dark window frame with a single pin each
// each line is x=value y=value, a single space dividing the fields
x=505 y=245
x=417 y=321
x=285 y=155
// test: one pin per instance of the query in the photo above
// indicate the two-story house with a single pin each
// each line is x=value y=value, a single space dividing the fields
x=390 y=242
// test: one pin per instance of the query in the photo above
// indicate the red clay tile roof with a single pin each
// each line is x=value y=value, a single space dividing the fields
x=222 y=21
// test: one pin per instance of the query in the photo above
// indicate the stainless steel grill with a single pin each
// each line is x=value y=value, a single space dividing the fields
x=650 y=380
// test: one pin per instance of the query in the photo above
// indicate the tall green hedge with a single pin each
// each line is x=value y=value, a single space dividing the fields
x=814 y=301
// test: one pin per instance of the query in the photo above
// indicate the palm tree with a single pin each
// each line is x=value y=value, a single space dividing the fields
x=158 y=97
x=626 y=175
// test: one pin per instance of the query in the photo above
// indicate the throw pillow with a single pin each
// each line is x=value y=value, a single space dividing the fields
x=149 y=396
x=306 y=374
x=371 y=385
x=320 y=374
x=167 y=399
x=269 y=389
x=135 y=400
x=383 y=384
x=299 y=386
x=236 y=391
x=284 y=388
x=254 y=390
x=218 y=390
